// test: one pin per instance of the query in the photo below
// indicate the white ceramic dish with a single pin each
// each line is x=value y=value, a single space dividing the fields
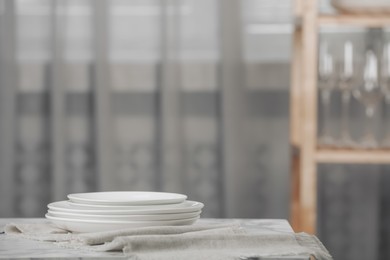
x=87 y=226
x=121 y=207
x=155 y=217
x=127 y=198
x=184 y=207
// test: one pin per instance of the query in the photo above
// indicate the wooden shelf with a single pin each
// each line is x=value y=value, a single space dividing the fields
x=369 y=21
x=303 y=111
x=355 y=20
x=326 y=155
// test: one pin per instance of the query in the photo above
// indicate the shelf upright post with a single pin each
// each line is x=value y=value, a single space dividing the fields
x=296 y=73
x=296 y=113
x=308 y=166
x=303 y=122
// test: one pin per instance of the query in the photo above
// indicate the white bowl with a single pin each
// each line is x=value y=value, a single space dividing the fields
x=126 y=198
x=86 y=226
x=68 y=207
x=155 y=217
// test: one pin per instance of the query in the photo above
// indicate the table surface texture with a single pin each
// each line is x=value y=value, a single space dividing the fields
x=12 y=247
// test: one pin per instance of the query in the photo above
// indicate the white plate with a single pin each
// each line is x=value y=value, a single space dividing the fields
x=121 y=207
x=125 y=217
x=86 y=226
x=184 y=207
x=127 y=198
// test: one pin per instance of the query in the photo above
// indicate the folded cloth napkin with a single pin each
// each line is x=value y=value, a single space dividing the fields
x=212 y=242
x=49 y=232
x=223 y=246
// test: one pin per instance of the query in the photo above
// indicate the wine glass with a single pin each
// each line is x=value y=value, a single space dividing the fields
x=385 y=83
x=369 y=93
x=346 y=84
x=326 y=85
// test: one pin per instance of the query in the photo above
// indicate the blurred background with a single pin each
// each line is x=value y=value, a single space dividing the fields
x=188 y=96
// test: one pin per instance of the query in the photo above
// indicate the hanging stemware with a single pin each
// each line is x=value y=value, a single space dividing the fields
x=346 y=84
x=385 y=83
x=369 y=93
x=326 y=85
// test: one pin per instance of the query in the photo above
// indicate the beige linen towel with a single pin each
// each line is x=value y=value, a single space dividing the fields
x=223 y=246
x=49 y=232
x=217 y=242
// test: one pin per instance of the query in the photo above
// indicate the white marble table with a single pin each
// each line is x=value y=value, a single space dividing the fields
x=12 y=247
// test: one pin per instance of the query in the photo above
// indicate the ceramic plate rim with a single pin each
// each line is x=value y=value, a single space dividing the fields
x=125 y=207
x=150 y=197
x=79 y=226
x=193 y=206
x=173 y=216
x=164 y=222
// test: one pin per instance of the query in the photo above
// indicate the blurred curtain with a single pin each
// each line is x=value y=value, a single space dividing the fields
x=135 y=95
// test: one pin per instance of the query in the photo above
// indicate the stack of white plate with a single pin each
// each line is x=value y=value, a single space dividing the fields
x=103 y=211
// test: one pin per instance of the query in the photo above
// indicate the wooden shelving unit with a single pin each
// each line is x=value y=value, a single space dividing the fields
x=327 y=155
x=303 y=118
x=355 y=20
